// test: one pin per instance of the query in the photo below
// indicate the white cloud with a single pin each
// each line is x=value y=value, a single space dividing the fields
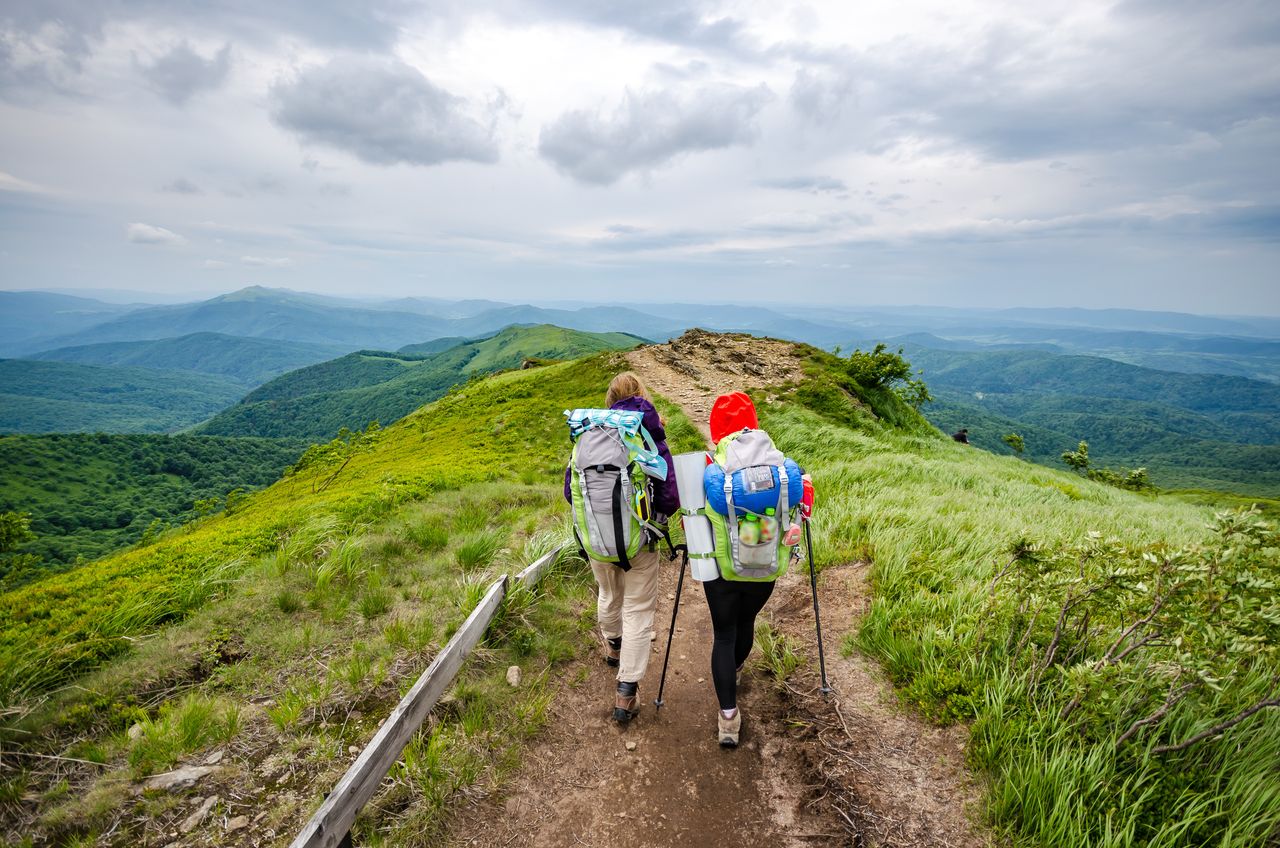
x=8 y=182
x=148 y=234
x=267 y=261
x=213 y=265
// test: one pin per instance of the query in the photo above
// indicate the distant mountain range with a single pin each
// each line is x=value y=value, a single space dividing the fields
x=1241 y=346
x=249 y=361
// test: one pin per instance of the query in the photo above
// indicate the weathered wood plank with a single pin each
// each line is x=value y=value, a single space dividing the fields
x=534 y=571
x=333 y=820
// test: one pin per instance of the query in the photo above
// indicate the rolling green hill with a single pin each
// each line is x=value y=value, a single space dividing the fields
x=1102 y=649
x=88 y=495
x=63 y=397
x=249 y=361
x=350 y=391
x=1189 y=430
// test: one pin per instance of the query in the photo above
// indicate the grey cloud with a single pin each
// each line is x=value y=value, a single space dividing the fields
x=43 y=43
x=812 y=185
x=649 y=129
x=1153 y=78
x=384 y=113
x=181 y=185
x=676 y=21
x=822 y=97
x=180 y=74
x=808 y=224
x=373 y=23
x=36 y=61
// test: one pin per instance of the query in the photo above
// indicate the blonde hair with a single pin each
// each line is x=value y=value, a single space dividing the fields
x=625 y=385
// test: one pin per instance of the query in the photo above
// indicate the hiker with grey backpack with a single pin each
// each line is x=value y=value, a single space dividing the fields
x=742 y=510
x=619 y=486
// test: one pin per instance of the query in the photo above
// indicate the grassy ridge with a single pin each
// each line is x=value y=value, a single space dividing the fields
x=509 y=426
x=938 y=521
x=365 y=386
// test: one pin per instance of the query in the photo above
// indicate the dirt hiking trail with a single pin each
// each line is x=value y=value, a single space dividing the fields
x=852 y=770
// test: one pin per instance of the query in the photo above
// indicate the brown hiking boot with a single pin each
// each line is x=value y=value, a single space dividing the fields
x=612 y=651
x=627 y=704
x=729 y=728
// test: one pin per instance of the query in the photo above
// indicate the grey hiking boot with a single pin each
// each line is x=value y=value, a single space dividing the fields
x=627 y=704
x=729 y=728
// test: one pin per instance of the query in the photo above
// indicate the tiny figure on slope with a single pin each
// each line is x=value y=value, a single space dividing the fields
x=621 y=491
x=961 y=435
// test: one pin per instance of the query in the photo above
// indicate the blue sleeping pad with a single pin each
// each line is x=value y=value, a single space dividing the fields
x=743 y=498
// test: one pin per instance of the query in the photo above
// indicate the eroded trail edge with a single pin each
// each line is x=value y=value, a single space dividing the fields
x=854 y=769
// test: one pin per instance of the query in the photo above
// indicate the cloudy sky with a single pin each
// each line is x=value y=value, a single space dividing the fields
x=1063 y=152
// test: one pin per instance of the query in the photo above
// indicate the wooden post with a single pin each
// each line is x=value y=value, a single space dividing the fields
x=534 y=571
x=331 y=824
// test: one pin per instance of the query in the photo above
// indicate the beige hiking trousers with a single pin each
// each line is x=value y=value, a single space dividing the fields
x=625 y=607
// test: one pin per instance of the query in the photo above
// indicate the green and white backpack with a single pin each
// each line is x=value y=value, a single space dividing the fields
x=609 y=484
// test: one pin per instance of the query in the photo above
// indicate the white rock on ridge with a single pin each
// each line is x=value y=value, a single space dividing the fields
x=179 y=778
x=513 y=675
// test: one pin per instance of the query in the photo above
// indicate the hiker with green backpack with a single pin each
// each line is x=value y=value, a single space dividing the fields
x=621 y=491
x=754 y=499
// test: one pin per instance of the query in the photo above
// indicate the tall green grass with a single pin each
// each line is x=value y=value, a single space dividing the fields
x=938 y=520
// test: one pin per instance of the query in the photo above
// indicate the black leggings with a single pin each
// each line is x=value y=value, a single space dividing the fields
x=734 y=605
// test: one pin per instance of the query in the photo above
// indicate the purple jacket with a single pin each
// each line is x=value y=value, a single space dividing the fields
x=666 y=498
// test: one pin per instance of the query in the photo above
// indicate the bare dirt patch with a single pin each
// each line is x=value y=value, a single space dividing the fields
x=693 y=370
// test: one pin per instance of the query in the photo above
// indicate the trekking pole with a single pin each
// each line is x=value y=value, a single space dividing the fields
x=675 y=610
x=817 y=618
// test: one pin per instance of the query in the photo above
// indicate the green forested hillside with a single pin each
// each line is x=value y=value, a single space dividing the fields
x=350 y=391
x=250 y=361
x=88 y=495
x=63 y=397
x=1189 y=430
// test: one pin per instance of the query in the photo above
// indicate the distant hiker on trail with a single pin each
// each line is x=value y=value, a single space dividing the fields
x=961 y=436
x=752 y=493
x=621 y=492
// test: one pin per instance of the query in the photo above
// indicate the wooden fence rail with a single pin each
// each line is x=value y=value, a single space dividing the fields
x=331 y=824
